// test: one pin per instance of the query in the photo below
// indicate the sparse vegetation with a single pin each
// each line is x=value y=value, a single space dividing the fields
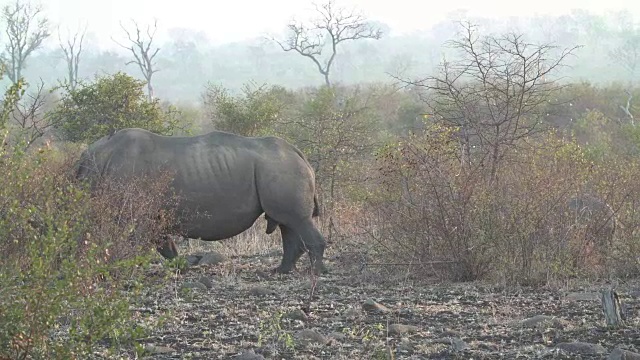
x=488 y=167
x=68 y=257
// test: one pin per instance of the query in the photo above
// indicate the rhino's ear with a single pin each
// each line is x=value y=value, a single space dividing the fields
x=113 y=132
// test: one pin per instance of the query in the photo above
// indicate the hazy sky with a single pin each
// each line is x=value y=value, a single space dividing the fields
x=233 y=20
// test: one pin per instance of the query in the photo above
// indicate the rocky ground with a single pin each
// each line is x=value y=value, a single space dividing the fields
x=233 y=308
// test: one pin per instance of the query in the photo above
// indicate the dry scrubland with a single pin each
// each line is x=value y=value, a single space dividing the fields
x=476 y=213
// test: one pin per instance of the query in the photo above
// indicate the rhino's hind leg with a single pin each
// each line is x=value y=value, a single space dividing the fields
x=298 y=238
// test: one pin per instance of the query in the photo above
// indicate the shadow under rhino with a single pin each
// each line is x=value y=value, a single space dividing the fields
x=224 y=182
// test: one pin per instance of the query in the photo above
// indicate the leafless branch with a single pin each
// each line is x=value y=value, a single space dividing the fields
x=26 y=29
x=29 y=115
x=142 y=51
x=332 y=27
x=72 y=50
x=495 y=92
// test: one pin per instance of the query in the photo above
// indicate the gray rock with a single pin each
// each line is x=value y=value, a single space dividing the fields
x=373 y=307
x=296 y=314
x=338 y=336
x=206 y=281
x=400 y=329
x=540 y=321
x=620 y=354
x=192 y=260
x=456 y=343
x=351 y=314
x=582 y=348
x=311 y=336
x=211 y=258
x=260 y=291
x=154 y=349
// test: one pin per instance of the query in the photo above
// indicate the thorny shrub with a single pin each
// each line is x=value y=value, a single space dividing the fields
x=548 y=213
x=67 y=257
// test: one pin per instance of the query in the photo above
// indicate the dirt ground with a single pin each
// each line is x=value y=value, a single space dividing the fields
x=238 y=309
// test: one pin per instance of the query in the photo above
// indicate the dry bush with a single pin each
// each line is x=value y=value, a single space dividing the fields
x=64 y=254
x=133 y=216
x=547 y=213
x=128 y=218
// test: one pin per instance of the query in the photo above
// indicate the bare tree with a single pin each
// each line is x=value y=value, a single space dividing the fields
x=332 y=27
x=627 y=55
x=495 y=93
x=72 y=50
x=26 y=29
x=29 y=115
x=141 y=48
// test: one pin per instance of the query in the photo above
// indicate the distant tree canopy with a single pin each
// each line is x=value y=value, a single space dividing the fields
x=110 y=103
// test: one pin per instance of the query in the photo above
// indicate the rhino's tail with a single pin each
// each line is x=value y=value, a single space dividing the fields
x=316 y=207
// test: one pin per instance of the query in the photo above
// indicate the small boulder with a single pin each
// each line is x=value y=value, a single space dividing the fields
x=456 y=343
x=192 y=260
x=621 y=354
x=296 y=314
x=260 y=291
x=583 y=348
x=373 y=307
x=155 y=350
x=206 y=281
x=211 y=258
x=338 y=336
x=541 y=321
x=351 y=314
x=311 y=336
x=400 y=329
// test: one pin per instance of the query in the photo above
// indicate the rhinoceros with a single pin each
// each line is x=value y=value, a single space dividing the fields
x=225 y=182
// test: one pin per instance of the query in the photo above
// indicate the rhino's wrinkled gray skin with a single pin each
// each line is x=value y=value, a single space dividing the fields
x=225 y=182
